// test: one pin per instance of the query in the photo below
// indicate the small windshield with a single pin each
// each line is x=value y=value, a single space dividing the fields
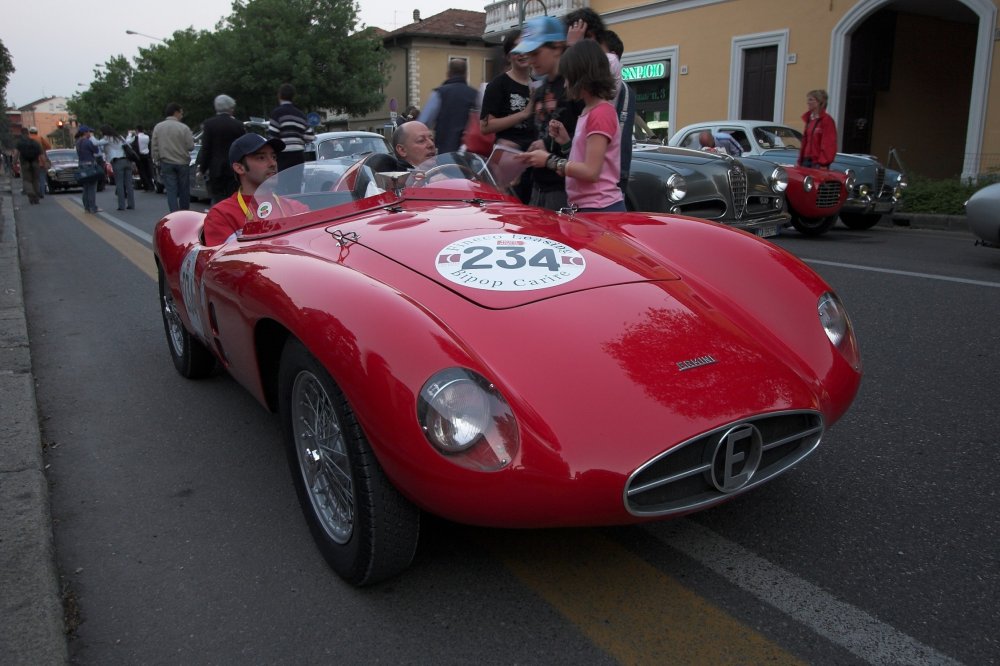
x=776 y=136
x=378 y=177
x=62 y=155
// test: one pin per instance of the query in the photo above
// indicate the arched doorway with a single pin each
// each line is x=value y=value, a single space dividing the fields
x=912 y=75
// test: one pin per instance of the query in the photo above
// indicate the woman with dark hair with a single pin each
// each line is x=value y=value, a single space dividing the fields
x=594 y=165
x=86 y=155
x=113 y=145
x=819 y=142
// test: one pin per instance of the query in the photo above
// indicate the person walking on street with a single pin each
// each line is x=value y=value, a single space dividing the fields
x=29 y=152
x=289 y=124
x=447 y=110
x=819 y=141
x=145 y=166
x=43 y=160
x=171 y=148
x=113 y=145
x=218 y=134
x=88 y=169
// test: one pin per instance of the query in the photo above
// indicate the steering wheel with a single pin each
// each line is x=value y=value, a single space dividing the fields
x=465 y=172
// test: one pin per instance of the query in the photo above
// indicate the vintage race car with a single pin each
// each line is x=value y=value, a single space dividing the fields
x=432 y=345
x=873 y=192
x=982 y=212
x=745 y=194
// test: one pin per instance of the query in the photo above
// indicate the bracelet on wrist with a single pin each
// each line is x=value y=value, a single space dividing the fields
x=561 y=167
x=551 y=162
x=564 y=147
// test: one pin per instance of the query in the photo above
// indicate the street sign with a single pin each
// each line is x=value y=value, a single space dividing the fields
x=313 y=119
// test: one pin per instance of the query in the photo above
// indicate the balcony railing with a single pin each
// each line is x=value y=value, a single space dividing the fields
x=502 y=17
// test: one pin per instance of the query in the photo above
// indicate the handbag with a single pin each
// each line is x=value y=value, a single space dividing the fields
x=474 y=139
x=130 y=153
x=87 y=172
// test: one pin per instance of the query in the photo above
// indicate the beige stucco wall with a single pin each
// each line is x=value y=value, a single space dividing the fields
x=915 y=116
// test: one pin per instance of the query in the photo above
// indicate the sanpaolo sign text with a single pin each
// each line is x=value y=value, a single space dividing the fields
x=645 y=71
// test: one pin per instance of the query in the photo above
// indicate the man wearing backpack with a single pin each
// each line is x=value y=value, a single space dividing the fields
x=29 y=152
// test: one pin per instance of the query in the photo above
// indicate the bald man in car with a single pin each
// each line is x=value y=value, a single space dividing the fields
x=413 y=143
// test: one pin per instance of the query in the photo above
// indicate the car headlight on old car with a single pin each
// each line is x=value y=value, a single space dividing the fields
x=467 y=420
x=852 y=179
x=837 y=325
x=808 y=183
x=779 y=179
x=901 y=182
x=676 y=187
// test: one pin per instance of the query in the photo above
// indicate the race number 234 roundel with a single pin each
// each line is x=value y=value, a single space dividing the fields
x=509 y=262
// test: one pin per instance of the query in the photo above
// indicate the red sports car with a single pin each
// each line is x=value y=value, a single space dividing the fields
x=433 y=345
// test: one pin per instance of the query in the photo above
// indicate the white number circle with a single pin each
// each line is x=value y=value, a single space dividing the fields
x=509 y=262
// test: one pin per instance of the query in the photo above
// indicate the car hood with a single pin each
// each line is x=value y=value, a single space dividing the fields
x=680 y=156
x=500 y=254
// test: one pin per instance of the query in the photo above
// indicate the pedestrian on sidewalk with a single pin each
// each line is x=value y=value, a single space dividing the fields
x=29 y=152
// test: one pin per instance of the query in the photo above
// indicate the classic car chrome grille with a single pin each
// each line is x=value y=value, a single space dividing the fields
x=828 y=194
x=738 y=185
x=687 y=476
x=879 y=180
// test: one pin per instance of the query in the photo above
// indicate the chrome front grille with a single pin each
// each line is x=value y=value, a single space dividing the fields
x=828 y=194
x=687 y=476
x=738 y=186
x=879 y=180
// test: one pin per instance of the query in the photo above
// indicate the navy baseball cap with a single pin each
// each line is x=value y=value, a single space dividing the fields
x=539 y=31
x=251 y=143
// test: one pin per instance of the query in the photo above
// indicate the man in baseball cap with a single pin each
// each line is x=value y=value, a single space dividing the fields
x=540 y=31
x=254 y=160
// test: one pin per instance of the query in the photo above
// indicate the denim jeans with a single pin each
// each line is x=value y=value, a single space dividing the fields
x=177 y=185
x=90 y=196
x=123 y=182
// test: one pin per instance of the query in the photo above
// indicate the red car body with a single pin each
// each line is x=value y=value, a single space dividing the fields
x=655 y=336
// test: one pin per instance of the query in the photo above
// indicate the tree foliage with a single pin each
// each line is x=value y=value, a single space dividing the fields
x=260 y=45
x=6 y=69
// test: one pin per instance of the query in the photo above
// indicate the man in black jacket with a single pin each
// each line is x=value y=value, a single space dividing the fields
x=217 y=136
x=448 y=108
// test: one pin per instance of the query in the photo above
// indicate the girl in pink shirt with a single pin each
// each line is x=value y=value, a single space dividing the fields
x=594 y=165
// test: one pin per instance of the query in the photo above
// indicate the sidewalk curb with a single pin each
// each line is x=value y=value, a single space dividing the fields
x=926 y=221
x=32 y=629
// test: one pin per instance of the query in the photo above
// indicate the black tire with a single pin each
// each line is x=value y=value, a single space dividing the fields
x=860 y=221
x=813 y=226
x=365 y=529
x=191 y=358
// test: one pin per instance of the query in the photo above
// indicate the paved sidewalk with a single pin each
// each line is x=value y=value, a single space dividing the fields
x=31 y=613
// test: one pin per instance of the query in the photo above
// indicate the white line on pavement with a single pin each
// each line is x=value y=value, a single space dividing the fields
x=841 y=623
x=929 y=276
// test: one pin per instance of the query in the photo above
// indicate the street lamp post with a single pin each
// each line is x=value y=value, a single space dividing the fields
x=142 y=34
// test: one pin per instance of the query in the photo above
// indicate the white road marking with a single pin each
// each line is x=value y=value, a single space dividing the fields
x=929 y=276
x=841 y=623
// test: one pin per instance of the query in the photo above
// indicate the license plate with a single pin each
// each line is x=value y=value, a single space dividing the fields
x=767 y=230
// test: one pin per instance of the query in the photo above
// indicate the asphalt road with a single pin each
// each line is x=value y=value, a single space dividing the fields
x=179 y=539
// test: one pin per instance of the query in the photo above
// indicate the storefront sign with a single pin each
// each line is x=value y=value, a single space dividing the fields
x=645 y=71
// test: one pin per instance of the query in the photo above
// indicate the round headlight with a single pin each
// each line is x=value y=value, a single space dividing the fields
x=676 y=187
x=779 y=179
x=863 y=189
x=808 y=183
x=466 y=419
x=837 y=325
x=852 y=179
x=901 y=182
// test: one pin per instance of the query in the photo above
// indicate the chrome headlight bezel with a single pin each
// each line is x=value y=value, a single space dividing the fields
x=808 y=183
x=852 y=179
x=467 y=420
x=901 y=181
x=779 y=180
x=676 y=187
x=837 y=326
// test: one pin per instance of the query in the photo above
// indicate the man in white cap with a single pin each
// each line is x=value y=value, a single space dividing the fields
x=253 y=159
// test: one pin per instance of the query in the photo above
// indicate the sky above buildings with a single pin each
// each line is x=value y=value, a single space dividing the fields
x=55 y=48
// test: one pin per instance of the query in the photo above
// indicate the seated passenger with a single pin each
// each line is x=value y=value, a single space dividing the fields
x=254 y=159
x=726 y=141
x=413 y=143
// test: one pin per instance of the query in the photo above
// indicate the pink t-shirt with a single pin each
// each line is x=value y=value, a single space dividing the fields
x=603 y=120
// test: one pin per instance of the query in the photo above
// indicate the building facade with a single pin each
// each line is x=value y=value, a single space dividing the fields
x=51 y=118
x=419 y=54
x=908 y=78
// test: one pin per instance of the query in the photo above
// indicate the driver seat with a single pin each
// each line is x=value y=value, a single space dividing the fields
x=374 y=163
